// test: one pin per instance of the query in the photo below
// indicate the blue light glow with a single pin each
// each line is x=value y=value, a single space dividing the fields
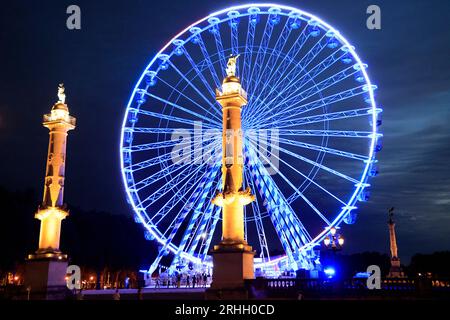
x=286 y=96
x=329 y=272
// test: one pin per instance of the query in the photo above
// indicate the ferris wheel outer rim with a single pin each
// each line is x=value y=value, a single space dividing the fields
x=338 y=219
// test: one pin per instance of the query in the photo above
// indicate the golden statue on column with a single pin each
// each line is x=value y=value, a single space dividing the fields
x=232 y=257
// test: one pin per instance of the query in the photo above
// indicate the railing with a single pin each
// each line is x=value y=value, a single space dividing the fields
x=261 y=287
x=68 y=119
x=239 y=91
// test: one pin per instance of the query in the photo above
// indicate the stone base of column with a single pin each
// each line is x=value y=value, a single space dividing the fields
x=396 y=270
x=45 y=276
x=232 y=264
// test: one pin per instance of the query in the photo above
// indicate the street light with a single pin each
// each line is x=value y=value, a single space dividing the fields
x=333 y=240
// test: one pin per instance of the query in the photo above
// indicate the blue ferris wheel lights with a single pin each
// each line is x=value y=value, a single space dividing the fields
x=214 y=28
x=314 y=30
x=234 y=18
x=195 y=32
x=330 y=272
x=149 y=236
x=253 y=14
x=347 y=58
x=359 y=77
x=137 y=219
x=254 y=17
x=178 y=47
x=294 y=20
x=150 y=78
x=364 y=195
x=351 y=217
x=379 y=145
x=274 y=17
x=373 y=171
x=332 y=44
x=213 y=20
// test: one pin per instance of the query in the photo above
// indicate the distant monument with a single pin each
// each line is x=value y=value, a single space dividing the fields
x=45 y=270
x=395 y=271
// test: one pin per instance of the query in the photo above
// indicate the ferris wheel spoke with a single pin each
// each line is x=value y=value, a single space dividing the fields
x=186 y=181
x=197 y=90
x=319 y=165
x=211 y=226
x=234 y=23
x=285 y=65
x=260 y=55
x=196 y=179
x=191 y=100
x=176 y=223
x=296 y=190
x=205 y=229
x=169 y=170
x=294 y=111
x=215 y=30
x=297 y=97
x=328 y=133
x=310 y=75
x=272 y=20
x=199 y=226
x=316 y=164
x=315 y=147
x=200 y=186
x=286 y=226
x=265 y=254
x=207 y=119
x=207 y=58
x=298 y=172
x=248 y=49
x=200 y=75
x=197 y=217
x=158 y=145
x=197 y=233
x=273 y=192
x=171 y=118
x=148 y=163
x=146 y=130
x=332 y=116
x=155 y=145
x=306 y=60
x=273 y=59
x=283 y=81
x=163 y=158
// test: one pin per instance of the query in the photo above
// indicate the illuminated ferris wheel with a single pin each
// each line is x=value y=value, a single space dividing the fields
x=310 y=133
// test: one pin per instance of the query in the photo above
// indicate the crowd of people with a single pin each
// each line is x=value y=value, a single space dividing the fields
x=183 y=281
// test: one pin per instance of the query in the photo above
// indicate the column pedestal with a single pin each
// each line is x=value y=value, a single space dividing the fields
x=232 y=264
x=396 y=270
x=45 y=277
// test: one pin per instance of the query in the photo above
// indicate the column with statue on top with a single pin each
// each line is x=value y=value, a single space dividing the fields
x=46 y=268
x=232 y=257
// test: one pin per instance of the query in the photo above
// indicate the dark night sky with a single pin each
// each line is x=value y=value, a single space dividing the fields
x=409 y=59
